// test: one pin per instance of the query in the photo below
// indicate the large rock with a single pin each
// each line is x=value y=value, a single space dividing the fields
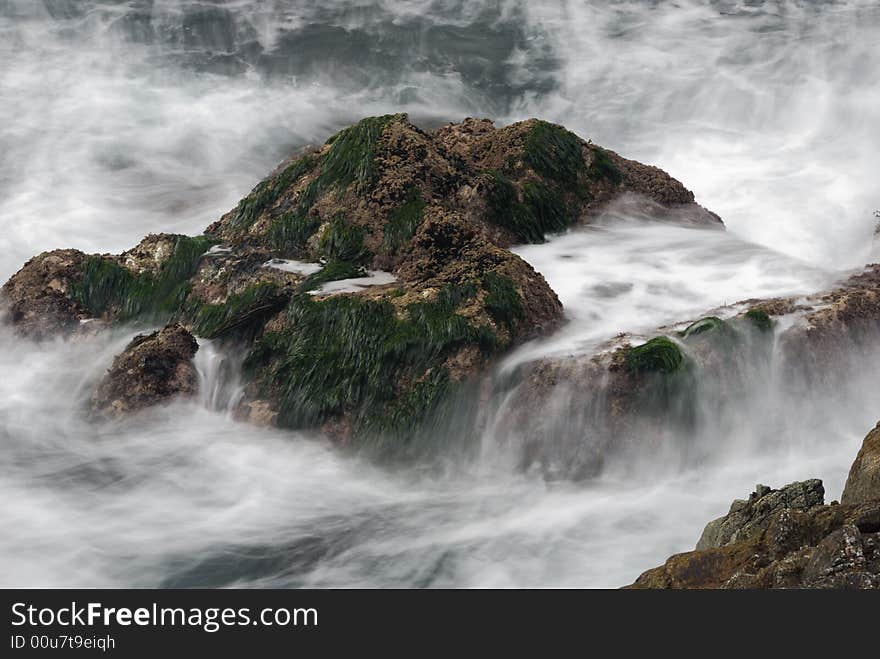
x=429 y=215
x=153 y=369
x=750 y=518
x=833 y=546
x=786 y=539
x=636 y=396
x=863 y=482
x=38 y=298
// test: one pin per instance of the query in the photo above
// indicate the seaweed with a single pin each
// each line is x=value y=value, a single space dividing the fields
x=404 y=220
x=503 y=302
x=291 y=231
x=659 y=355
x=106 y=287
x=704 y=325
x=418 y=403
x=241 y=313
x=345 y=353
x=542 y=210
x=603 y=167
x=555 y=153
x=760 y=319
x=267 y=192
x=343 y=242
x=350 y=159
x=333 y=270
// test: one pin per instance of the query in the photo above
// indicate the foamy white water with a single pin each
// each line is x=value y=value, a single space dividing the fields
x=116 y=120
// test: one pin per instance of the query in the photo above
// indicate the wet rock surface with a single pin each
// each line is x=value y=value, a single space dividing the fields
x=784 y=538
x=634 y=395
x=420 y=219
x=38 y=297
x=863 y=482
x=749 y=518
x=153 y=369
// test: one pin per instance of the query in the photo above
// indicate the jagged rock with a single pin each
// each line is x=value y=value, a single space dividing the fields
x=783 y=539
x=635 y=395
x=515 y=184
x=747 y=519
x=863 y=482
x=824 y=547
x=152 y=369
x=435 y=210
x=37 y=297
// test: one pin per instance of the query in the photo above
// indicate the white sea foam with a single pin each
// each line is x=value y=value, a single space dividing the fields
x=355 y=284
x=112 y=127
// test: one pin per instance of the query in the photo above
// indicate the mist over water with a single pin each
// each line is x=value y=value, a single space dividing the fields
x=122 y=118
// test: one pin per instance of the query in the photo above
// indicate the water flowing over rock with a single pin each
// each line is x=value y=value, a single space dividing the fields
x=637 y=395
x=429 y=215
x=153 y=368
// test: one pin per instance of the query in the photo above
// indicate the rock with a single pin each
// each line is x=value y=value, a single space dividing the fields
x=38 y=297
x=152 y=369
x=786 y=538
x=515 y=184
x=823 y=547
x=747 y=519
x=635 y=395
x=432 y=211
x=863 y=482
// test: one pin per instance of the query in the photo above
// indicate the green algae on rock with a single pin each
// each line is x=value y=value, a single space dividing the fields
x=660 y=355
x=432 y=211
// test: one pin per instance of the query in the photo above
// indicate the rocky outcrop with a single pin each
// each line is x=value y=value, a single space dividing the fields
x=863 y=482
x=785 y=538
x=368 y=278
x=39 y=299
x=748 y=519
x=153 y=369
x=833 y=546
x=570 y=415
x=637 y=394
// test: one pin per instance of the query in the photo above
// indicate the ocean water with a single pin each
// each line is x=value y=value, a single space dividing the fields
x=118 y=118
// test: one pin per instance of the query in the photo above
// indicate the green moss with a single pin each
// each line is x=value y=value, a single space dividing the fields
x=267 y=192
x=333 y=270
x=555 y=153
x=352 y=156
x=708 y=324
x=660 y=354
x=342 y=248
x=503 y=302
x=404 y=220
x=760 y=319
x=343 y=242
x=241 y=313
x=291 y=231
x=105 y=287
x=502 y=199
x=98 y=287
x=345 y=353
x=542 y=210
x=351 y=159
x=603 y=167
x=419 y=402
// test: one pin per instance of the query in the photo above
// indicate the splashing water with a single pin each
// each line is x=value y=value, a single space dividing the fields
x=121 y=118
